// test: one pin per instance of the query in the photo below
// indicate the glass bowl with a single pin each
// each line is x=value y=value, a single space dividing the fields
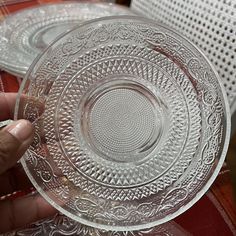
x=131 y=123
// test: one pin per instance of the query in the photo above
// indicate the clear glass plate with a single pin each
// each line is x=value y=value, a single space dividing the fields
x=27 y=33
x=132 y=123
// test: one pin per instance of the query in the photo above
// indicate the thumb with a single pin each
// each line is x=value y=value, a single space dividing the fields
x=14 y=140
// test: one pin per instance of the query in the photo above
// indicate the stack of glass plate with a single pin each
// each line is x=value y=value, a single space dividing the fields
x=26 y=34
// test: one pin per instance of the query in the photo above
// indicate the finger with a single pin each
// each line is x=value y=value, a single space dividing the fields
x=30 y=108
x=14 y=180
x=7 y=105
x=14 y=140
x=20 y=212
x=8 y=102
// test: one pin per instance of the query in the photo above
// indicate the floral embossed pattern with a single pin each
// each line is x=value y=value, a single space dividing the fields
x=131 y=124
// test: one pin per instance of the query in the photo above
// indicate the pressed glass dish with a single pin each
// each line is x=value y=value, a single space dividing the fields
x=131 y=121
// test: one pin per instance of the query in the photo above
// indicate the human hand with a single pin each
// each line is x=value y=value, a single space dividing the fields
x=14 y=141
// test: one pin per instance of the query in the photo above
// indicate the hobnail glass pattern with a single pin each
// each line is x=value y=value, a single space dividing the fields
x=131 y=123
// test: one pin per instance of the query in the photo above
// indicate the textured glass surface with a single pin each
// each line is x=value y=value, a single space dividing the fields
x=27 y=33
x=131 y=123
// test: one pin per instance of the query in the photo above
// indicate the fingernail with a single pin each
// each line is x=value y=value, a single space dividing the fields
x=21 y=129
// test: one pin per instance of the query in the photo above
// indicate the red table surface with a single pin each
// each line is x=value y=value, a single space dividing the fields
x=214 y=214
